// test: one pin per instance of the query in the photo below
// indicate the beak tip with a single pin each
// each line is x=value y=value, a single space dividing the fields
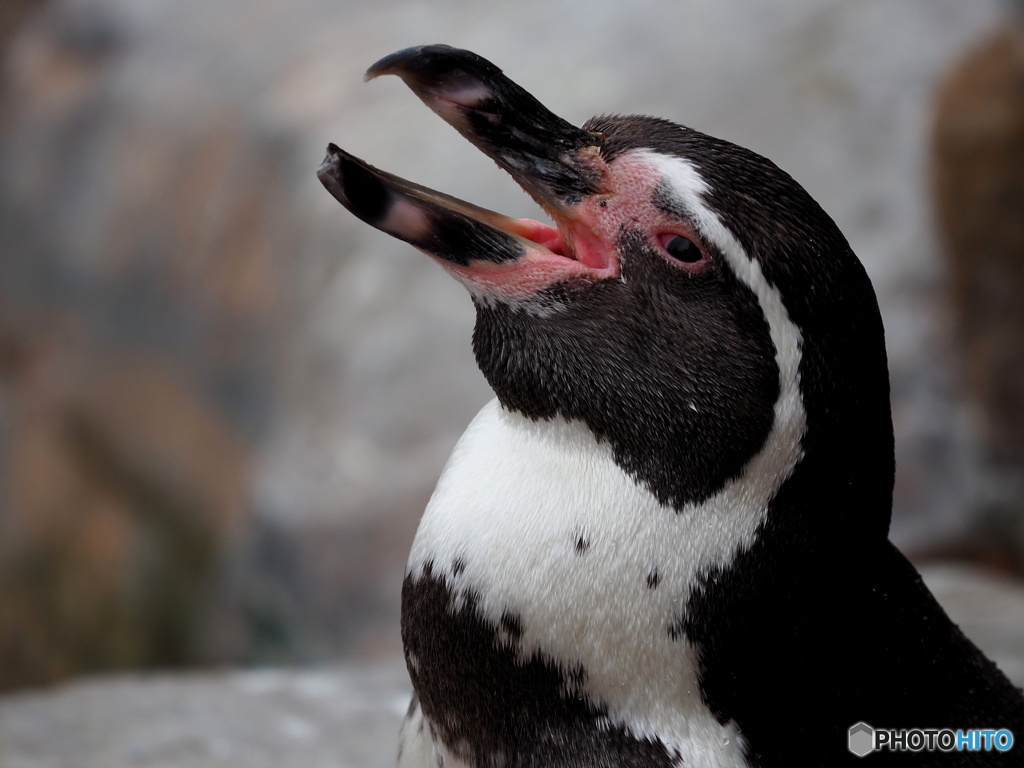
x=399 y=63
x=329 y=164
x=358 y=186
x=332 y=176
x=425 y=65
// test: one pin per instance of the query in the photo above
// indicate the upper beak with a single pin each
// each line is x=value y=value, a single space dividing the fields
x=558 y=164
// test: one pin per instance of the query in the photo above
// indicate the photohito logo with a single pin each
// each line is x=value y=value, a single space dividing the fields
x=863 y=740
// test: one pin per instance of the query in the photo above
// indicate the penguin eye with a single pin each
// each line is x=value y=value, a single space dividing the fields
x=680 y=248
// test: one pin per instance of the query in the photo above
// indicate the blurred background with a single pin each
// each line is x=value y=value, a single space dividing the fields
x=224 y=402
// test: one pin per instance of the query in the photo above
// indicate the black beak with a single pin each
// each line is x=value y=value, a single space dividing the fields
x=439 y=224
x=557 y=163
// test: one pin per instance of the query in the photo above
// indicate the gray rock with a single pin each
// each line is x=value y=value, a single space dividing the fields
x=338 y=718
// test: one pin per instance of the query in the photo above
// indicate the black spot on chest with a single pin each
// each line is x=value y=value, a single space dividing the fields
x=493 y=708
x=653 y=579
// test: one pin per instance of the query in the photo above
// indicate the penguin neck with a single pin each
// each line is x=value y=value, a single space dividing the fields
x=678 y=421
x=840 y=495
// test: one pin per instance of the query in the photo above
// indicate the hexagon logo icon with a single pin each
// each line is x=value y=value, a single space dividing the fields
x=861 y=739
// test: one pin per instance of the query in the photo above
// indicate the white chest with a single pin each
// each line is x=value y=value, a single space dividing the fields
x=537 y=520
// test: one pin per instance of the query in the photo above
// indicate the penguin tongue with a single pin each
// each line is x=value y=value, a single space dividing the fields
x=572 y=239
x=544 y=235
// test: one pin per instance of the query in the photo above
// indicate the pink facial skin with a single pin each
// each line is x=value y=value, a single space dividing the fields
x=583 y=243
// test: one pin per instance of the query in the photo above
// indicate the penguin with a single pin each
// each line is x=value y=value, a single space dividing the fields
x=665 y=541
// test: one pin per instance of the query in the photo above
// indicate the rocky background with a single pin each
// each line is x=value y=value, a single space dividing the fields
x=224 y=402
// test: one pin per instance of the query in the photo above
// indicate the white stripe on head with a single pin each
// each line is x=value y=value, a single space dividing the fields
x=689 y=190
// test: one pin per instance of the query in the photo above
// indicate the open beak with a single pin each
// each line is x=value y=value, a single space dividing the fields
x=558 y=164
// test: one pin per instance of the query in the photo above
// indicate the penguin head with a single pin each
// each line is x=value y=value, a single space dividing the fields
x=691 y=304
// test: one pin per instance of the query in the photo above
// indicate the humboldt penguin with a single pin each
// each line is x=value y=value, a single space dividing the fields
x=665 y=542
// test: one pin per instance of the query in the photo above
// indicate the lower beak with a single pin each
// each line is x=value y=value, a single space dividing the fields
x=443 y=226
